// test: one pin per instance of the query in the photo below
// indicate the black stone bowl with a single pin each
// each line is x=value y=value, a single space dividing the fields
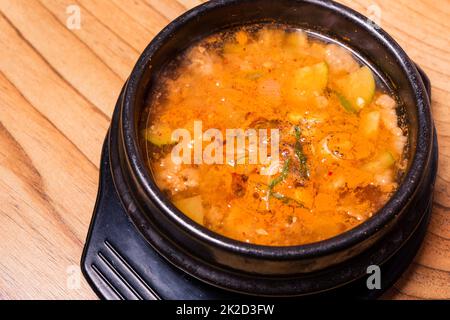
x=262 y=270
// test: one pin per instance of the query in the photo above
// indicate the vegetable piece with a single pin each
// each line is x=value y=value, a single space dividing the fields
x=358 y=88
x=192 y=207
x=281 y=177
x=276 y=181
x=159 y=135
x=370 y=123
x=311 y=79
x=346 y=104
x=298 y=149
x=305 y=196
x=296 y=40
x=384 y=161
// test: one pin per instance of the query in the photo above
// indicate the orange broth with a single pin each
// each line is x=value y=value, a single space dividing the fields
x=341 y=146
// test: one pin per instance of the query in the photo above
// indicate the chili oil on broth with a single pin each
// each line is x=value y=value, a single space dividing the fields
x=342 y=150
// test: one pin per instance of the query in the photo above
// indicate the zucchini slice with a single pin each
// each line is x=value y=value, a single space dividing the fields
x=311 y=79
x=192 y=207
x=357 y=89
x=159 y=135
x=384 y=161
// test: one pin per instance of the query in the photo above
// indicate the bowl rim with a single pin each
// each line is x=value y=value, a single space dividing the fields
x=387 y=213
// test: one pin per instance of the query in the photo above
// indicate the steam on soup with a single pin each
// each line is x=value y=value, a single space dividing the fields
x=340 y=143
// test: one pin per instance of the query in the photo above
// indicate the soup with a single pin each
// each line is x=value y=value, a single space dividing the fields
x=341 y=144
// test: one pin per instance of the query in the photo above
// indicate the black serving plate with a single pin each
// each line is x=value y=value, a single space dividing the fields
x=120 y=264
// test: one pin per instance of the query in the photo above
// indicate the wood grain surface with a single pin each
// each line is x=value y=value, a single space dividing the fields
x=58 y=88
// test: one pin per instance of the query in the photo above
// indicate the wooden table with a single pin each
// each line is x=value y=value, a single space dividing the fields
x=58 y=87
